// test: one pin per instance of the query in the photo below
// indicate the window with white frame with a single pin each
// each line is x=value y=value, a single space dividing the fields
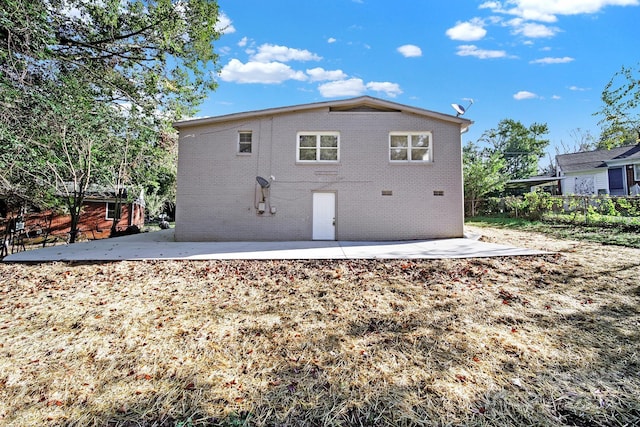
x=318 y=147
x=111 y=211
x=245 y=139
x=410 y=147
x=636 y=172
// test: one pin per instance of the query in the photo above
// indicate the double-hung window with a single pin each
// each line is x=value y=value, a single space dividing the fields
x=112 y=213
x=410 y=147
x=244 y=142
x=636 y=172
x=318 y=147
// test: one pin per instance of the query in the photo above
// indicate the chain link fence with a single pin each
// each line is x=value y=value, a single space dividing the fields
x=573 y=209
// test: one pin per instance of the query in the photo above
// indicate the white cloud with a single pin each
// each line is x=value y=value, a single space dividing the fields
x=493 y=5
x=320 y=74
x=578 y=89
x=331 y=40
x=76 y=14
x=243 y=42
x=549 y=60
x=410 y=51
x=533 y=30
x=259 y=72
x=357 y=87
x=556 y=97
x=472 y=50
x=270 y=52
x=350 y=87
x=390 y=89
x=224 y=24
x=523 y=94
x=467 y=31
x=548 y=10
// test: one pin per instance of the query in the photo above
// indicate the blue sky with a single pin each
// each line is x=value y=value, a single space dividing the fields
x=544 y=61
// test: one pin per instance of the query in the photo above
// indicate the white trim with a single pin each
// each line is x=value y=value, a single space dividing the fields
x=326 y=105
x=106 y=214
x=616 y=163
x=239 y=151
x=623 y=173
x=409 y=135
x=318 y=146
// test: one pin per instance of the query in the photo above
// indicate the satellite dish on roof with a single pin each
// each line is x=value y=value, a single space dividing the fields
x=263 y=182
x=460 y=109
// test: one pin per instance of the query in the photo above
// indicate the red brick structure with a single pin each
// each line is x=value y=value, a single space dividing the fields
x=95 y=221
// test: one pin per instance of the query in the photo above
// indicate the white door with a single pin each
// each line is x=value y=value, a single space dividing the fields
x=324 y=216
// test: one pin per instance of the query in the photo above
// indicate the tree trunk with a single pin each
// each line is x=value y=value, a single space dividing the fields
x=75 y=208
x=47 y=230
x=116 y=214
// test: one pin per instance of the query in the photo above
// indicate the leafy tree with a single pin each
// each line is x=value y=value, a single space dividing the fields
x=482 y=173
x=620 y=113
x=87 y=90
x=520 y=146
x=139 y=158
x=154 y=205
x=150 y=53
x=69 y=143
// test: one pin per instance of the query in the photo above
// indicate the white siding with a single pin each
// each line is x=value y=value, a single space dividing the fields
x=585 y=182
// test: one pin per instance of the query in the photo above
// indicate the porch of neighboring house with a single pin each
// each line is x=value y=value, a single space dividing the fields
x=615 y=172
x=45 y=228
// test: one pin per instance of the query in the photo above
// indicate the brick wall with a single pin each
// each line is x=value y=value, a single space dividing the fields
x=93 y=221
x=217 y=191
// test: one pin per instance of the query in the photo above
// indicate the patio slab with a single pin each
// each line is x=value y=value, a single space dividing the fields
x=161 y=245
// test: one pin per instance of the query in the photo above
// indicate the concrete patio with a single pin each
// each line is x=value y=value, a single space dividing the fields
x=161 y=245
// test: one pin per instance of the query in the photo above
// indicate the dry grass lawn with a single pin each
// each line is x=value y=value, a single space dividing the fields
x=548 y=340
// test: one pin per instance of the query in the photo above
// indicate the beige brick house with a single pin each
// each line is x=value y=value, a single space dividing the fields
x=354 y=169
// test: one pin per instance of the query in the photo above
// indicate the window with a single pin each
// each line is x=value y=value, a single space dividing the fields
x=636 y=172
x=244 y=142
x=111 y=211
x=410 y=147
x=318 y=147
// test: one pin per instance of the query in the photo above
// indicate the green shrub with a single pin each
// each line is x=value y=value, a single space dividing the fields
x=606 y=206
x=514 y=205
x=537 y=204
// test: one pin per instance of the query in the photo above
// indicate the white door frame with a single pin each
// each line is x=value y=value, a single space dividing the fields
x=623 y=173
x=324 y=215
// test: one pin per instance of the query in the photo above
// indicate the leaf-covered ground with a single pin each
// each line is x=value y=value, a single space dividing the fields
x=548 y=340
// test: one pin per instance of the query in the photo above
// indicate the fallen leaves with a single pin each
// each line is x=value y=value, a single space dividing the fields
x=350 y=337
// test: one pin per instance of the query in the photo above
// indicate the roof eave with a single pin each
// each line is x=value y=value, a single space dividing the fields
x=582 y=171
x=623 y=162
x=362 y=100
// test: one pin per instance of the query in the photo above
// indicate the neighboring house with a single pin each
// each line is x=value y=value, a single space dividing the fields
x=613 y=172
x=354 y=169
x=98 y=211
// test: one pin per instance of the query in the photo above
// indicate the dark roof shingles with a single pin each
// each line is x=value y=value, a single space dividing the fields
x=596 y=159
